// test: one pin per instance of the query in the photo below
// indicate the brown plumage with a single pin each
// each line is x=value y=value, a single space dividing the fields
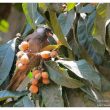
x=37 y=40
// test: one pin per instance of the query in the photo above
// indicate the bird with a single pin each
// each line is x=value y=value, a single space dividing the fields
x=37 y=40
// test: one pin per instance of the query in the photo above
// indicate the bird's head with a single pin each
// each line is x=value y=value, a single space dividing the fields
x=43 y=32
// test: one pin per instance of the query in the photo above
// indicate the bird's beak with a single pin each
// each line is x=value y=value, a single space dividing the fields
x=49 y=34
x=52 y=35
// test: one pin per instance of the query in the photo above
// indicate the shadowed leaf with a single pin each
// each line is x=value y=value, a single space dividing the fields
x=60 y=76
x=9 y=94
x=52 y=95
x=24 y=102
x=7 y=53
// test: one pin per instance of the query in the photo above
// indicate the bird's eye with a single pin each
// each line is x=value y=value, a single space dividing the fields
x=28 y=39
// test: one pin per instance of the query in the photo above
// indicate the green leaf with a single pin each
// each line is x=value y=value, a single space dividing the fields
x=24 y=102
x=56 y=28
x=43 y=6
x=27 y=31
x=4 y=25
x=33 y=16
x=56 y=7
x=5 y=94
x=78 y=98
x=107 y=36
x=30 y=75
x=90 y=21
x=70 y=6
x=105 y=84
x=52 y=95
x=60 y=76
x=66 y=21
x=7 y=53
x=50 y=47
x=9 y=104
x=27 y=14
x=87 y=9
x=97 y=46
x=93 y=94
x=83 y=70
x=87 y=41
x=102 y=16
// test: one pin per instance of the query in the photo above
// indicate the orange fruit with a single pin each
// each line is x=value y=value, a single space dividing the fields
x=53 y=54
x=24 y=46
x=34 y=72
x=34 y=82
x=33 y=89
x=19 y=54
x=45 y=54
x=38 y=76
x=24 y=59
x=21 y=66
x=45 y=81
x=45 y=75
x=18 y=61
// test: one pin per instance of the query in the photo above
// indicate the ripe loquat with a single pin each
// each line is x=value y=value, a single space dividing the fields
x=21 y=66
x=17 y=62
x=38 y=76
x=45 y=75
x=24 y=46
x=45 y=54
x=24 y=59
x=34 y=82
x=33 y=89
x=45 y=81
x=53 y=54
x=34 y=72
x=19 y=54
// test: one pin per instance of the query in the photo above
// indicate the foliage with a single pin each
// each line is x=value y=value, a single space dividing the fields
x=83 y=31
x=4 y=26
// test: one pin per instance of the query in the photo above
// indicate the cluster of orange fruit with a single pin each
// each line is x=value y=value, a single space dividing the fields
x=23 y=59
x=37 y=77
x=48 y=54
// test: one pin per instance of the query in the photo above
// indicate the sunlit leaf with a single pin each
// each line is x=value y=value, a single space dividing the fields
x=29 y=19
x=30 y=75
x=50 y=47
x=60 y=76
x=70 y=6
x=43 y=6
x=56 y=27
x=102 y=15
x=33 y=16
x=4 y=25
x=83 y=70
